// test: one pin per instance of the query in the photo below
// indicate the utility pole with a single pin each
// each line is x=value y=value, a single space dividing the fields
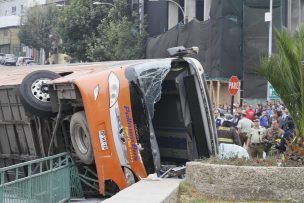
x=270 y=40
x=270 y=30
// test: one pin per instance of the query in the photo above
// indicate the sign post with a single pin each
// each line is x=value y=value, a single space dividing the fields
x=233 y=88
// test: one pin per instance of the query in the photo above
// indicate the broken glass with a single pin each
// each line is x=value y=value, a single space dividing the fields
x=150 y=77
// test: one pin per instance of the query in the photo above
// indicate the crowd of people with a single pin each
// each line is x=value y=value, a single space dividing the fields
x=262 y=131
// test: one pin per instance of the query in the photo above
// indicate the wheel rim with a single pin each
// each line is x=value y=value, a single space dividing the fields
x=82 y=139
x=40 y=90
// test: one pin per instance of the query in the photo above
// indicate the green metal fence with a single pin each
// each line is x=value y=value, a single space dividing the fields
x=44 y=180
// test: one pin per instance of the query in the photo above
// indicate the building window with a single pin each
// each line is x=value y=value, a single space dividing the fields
x=6 y=12
x=200 y=10
x=22 y=9
x=14 y=10
x=5 y=33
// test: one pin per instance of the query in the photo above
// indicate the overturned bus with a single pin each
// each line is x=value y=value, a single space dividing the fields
x=120 y=120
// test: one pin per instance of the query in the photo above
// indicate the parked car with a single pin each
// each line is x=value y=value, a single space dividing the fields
x=30 y=63
x=1 y=57
x=121 y=120
x=9 y=59
x=22 y=60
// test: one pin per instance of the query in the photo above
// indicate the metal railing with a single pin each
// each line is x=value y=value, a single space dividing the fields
x=42 y=180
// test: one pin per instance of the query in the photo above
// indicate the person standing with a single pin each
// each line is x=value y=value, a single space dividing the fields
x=218 y=120
x=259 y=110
x=227 y=134
x=244 y=127
x=285 y=118
x=272 y=135
x=236 y=118
x=264 y=120
x=250 y=112
x=288 y=135
x=255 y=139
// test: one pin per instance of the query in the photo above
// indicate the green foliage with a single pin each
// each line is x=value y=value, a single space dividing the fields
x=78 y=26
x=285 y=71
x=185 y=188
x=120 y=35
x=37 y=26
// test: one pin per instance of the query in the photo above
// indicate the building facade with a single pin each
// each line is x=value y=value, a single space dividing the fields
x=295 y=14
x=231 y=20
x=163 y=15
x=11 y=12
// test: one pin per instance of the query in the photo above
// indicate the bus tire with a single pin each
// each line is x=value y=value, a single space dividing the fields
x=80 y=137
x=34 y=95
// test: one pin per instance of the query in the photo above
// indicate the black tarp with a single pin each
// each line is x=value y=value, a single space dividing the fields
x=156 y=24
x=230 y=43
x=210 y=36
x=221 y=8
x=255 y=44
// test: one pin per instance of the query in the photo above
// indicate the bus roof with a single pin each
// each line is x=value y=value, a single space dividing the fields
x=14 y=75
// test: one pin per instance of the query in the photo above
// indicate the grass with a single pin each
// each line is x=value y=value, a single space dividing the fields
x=188 y=194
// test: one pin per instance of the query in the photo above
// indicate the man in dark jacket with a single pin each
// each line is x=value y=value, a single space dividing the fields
x=227 y=134
x=288 y=135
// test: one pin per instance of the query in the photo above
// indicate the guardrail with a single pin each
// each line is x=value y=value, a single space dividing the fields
x=42 y=180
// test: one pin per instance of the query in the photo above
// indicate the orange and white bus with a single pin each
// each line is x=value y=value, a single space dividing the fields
x=121 y=120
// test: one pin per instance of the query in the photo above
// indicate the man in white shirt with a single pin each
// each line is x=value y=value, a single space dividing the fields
x=244 y=127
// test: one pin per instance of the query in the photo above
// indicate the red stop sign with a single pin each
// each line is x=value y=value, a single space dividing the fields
x=233 y=85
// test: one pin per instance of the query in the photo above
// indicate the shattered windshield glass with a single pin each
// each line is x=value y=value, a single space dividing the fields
x=150 y=77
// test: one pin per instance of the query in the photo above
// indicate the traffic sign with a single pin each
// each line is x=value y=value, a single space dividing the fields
x=273 y=95
x=234 y=85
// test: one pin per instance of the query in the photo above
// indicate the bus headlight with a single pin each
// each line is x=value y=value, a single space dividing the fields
x=113 y=88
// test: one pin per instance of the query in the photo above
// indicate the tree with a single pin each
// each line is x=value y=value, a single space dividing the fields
x=120 y=35
x=78 y=26
x=285 y=71
x=36 y=27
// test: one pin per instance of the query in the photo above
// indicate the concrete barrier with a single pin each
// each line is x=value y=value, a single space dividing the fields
x=149 y=191
x=230 y=182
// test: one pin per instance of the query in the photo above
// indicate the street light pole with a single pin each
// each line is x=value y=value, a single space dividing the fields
x=10 y=44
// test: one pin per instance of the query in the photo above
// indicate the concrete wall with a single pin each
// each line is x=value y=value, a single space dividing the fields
x=295 y=14
x=172 y=15
x=190 y=9
x=207 y=6
x=240 y=183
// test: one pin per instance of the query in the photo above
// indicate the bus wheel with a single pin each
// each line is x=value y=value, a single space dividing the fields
x=34 y=92
x=80 y=137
